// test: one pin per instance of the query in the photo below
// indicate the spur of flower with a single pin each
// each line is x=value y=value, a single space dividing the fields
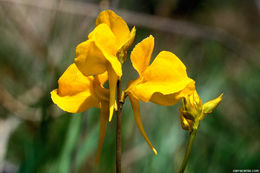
x=192 y=110
x=164 y=82
x=106 y=50
x=77 y=93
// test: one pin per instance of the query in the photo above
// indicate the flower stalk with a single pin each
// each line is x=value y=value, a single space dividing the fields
x=188 y=151
x=118 y=128
x=192 y=112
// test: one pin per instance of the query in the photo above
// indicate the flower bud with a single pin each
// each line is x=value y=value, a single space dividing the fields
x=211 y=105
x=186 y=124
x=192 y=106
x=192 y=110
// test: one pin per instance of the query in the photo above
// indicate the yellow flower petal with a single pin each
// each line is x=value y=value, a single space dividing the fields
x=116 y=24
x=75 y=103
x=166 y=75
x=75 y=92
x=102 y=78
x=112 y=88
x=171 y=99
x=104 y=39
x=130 y=40
x=89 y=58
x=100 y=92
x=141 y=54
x=93 y=55
x=103 y=125
x=122 y=52
x=136 y=110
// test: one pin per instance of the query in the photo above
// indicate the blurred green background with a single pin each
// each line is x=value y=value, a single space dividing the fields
x=217 y=40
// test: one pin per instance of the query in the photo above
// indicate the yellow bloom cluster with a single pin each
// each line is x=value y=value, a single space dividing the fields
x=100 y=58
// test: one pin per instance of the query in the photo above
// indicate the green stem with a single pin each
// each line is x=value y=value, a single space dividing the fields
x=187 y=154
x=118 y=128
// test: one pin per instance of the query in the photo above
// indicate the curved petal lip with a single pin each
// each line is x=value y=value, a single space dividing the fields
x=171 y=99
x=144 y=91
x=165 y=100
x=75 y=103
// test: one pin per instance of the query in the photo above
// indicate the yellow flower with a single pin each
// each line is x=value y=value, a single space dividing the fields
x=163 y=82
x=192 y=110
x=105 y=50
x=77 y=93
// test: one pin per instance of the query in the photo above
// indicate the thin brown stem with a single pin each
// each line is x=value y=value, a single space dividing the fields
x=118 y=128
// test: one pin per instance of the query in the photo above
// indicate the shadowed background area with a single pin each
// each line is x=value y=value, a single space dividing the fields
x=217 y=40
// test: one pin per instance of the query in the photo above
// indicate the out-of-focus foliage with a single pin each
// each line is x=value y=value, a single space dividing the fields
x=217 y=40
